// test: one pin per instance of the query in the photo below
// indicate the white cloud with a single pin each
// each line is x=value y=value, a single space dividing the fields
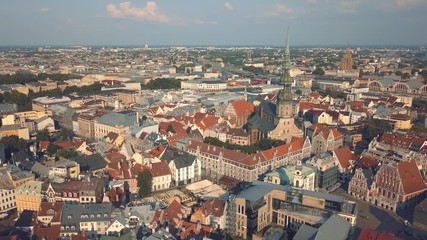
x=44 y=10
x=410 y=3
x=228 y=6
x=280 y=9
x=149 y=13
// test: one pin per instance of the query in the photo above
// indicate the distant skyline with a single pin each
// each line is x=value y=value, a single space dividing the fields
x=213 y=22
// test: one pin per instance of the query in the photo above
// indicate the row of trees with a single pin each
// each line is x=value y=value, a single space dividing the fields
x=162 y=83
x=252 y=69
x=26 y=78
x=23 y=101
x=262 y=144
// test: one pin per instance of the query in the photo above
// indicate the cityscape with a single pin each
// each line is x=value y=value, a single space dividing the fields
x=198 y=132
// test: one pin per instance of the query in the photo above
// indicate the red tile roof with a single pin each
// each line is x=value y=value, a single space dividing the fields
x=366 y=161
x=249 y=160
x=213 y=207
x=190 y=230
x=160 y=169
x=177 y=127
x=410 y=176
x=157 y=151
x=179 y=135
x=344 y=155
x=172 y=214
x=44 y=144
x=371 y=234
x=47 y=233
x=64 y=144
x=242 y=107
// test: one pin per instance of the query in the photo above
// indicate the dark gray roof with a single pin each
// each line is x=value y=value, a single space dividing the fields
x=153 y=137
x=256 y=122
x=181 y=159
x=8 y=108
x=92 y=162
x=305 y=232
x=40 y=169
x=268 y=108
x=74 y=213
x=22 y=155
x=367 y=172
x=335 y=227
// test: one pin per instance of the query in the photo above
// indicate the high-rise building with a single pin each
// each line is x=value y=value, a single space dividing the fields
x=347 y=61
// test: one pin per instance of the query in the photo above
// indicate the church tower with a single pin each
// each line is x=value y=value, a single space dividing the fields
x=284 y=98
x=285 y=129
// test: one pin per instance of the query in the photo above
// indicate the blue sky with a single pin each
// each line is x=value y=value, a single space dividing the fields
x=213 y=22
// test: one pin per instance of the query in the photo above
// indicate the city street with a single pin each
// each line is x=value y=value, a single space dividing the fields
x=369 y=216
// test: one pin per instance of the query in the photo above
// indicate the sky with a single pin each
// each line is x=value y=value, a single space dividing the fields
x=213 y=22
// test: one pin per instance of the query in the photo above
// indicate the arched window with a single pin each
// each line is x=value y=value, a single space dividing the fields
x=400 y=87
x=375 y=86
x=423 y=90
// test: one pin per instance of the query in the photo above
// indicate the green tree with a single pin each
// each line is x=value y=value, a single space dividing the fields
x=65 y=135
x=66 y=153
x=51 y=149
x=298 y=91
x=162 y=83
x=252 y=69
x=42 y=135
x=144 y=183
x=170 y=129
x=319 y=71
x=14 y=143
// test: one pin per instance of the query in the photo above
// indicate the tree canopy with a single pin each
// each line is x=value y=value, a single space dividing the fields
x=144 y=183
x=14 y=143
x=42 y=135
x=27 y=78
x=252 y=69
x=162 y=83
x=319 y=71
x=170 y=129
x=262 y=144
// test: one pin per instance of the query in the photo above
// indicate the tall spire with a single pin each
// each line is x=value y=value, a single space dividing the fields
x=287 y=52
x=286 y=80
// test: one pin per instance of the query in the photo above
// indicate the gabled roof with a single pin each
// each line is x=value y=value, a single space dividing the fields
x=180 y=159
x=213 y=207
x=344 y=155
x=268 y=107
x=410 y=176
x=242 y=107
x=92 y=162
x=160 y=169
x=256 y=122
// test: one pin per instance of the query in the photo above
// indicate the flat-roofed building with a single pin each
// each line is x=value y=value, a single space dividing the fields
x=43 y=103
x=263 y=204
x=204 y=84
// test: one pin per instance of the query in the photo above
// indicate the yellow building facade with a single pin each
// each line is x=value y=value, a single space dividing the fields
x=28 y=196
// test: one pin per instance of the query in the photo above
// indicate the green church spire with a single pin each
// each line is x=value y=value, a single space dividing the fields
x=286 y=80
